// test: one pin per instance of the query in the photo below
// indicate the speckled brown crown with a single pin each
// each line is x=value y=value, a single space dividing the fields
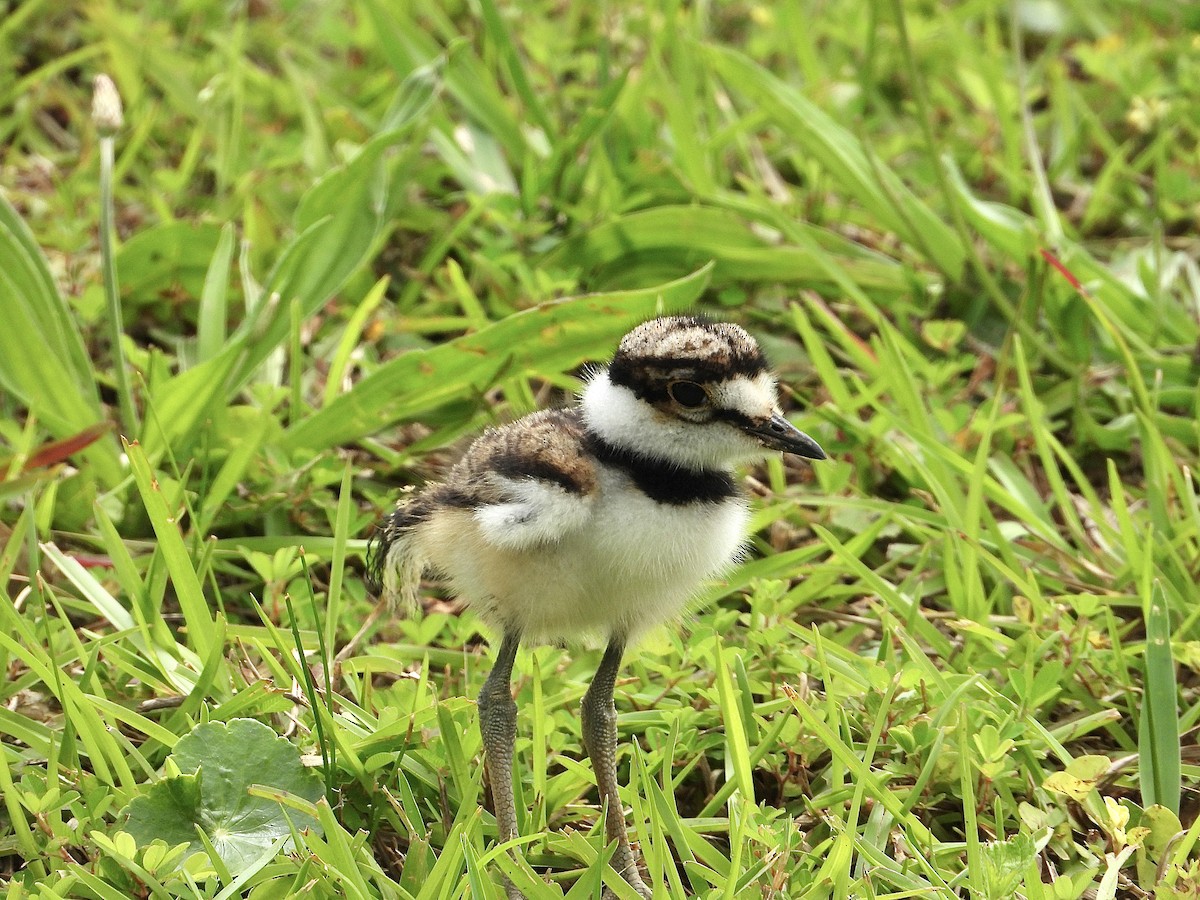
x=707 y=351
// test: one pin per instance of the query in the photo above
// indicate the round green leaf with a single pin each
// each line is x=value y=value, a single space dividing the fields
x=219 y=762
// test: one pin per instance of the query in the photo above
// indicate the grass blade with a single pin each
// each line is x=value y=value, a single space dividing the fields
x=1158 y=730
x=196 y=615
x=737 y=744
x=43 y=361
x=214 y=300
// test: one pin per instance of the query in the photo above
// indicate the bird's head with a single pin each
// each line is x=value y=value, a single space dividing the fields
x=692 y=392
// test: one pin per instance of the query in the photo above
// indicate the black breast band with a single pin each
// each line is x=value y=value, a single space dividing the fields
x=664 y=482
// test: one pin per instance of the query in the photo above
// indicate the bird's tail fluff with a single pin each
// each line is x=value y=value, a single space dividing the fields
x=394 y=565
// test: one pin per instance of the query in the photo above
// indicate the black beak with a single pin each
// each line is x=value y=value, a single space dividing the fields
x=778 y=433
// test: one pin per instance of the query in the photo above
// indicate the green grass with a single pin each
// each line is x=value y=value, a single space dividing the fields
x=960 y=660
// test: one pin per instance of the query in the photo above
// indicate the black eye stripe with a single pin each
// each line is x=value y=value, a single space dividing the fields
x=642 y=374
x=655 y=386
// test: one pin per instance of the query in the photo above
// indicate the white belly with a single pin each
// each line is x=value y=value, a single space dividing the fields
x=645 y=560
x=633 y=565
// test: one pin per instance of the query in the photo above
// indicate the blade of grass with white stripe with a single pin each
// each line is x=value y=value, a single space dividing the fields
x=349 y=339
x=176 y=665
x=539 y=762
x=318 y=703
x=196 y=614
x=213 y=311
x=105 y=755
x=337 y=565
x=1158 y=728
x=737 y=748
x=130 y=579
x=973 y=875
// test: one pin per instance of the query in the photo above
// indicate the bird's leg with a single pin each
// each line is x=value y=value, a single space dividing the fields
x=498 y=726
x=599 y=721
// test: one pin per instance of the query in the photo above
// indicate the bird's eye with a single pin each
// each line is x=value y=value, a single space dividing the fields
x=688 y=394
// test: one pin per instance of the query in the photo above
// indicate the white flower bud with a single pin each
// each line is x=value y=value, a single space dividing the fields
x=106 y=106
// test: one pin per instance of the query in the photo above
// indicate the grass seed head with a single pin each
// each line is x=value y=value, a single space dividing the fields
x=107 y=112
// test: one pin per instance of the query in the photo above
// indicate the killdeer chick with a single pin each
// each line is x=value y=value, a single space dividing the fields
x=596 y=523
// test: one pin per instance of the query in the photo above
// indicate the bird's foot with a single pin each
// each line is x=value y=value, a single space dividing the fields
x=641 y=887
